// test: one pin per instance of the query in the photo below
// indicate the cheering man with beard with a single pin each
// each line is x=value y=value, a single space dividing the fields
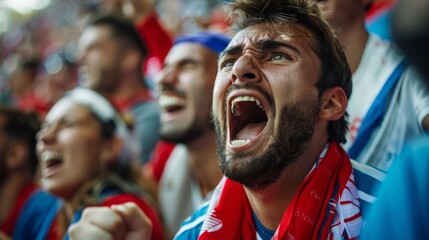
x=279 y=105
x=185 y=86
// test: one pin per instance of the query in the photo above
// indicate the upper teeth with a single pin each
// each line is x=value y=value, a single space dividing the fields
x=48 y=155
x=166 y=101
x=244 y=99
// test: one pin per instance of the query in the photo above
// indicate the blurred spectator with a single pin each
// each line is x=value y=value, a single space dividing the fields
x=185 y=96
x=390 y=101
x=188 y=16
x=411 y=32
x=22 y=76
x=111 y=59
x=84 y=132
x=25 y=211
x=145 y=18
x=401 y=211
x=57 y=76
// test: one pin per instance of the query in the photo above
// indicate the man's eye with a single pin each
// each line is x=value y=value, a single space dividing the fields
x=228 y=63
x=188 y=65
x=280 y=57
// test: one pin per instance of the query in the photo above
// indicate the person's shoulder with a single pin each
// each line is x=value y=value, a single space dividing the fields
x=146 y=109
x=37 y=216
x=191 y=226
x=403 y=197
x=416 y=150
x=386 y=49
x=41 y=201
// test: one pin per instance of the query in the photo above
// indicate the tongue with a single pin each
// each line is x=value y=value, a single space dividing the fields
x=250 y=131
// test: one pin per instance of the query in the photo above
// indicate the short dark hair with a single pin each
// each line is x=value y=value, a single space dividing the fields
x=22 y=126
x=122 y=29
x=335 y=70
x=30 y=64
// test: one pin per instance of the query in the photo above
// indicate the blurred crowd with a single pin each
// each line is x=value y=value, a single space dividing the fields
x=39 y=53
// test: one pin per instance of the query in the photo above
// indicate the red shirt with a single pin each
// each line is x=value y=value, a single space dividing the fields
x=157 y=41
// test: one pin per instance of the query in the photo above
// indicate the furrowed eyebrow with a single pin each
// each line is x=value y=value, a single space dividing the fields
x=231 y=51
x=263 y=45
x=269 y=44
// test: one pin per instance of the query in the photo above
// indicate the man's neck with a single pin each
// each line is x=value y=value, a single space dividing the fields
x=270 y=203
x=129 y=89
x=126 y=93
x=353 y=38
x=10 y=191
x=203 y=162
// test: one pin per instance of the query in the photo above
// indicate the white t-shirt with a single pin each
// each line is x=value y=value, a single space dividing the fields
x=408 y=105
x=179 y=192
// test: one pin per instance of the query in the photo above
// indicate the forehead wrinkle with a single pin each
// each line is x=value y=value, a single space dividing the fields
x=232 y=50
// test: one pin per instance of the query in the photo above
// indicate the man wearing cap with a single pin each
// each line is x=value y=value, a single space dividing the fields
x=185 y=86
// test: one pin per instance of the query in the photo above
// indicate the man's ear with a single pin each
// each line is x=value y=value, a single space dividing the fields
x=334 y=104
x=112 y=149
x=17 y=154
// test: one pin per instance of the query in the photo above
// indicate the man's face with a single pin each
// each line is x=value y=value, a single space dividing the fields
x=265 y=103
x=185 y=92
x=100 y=59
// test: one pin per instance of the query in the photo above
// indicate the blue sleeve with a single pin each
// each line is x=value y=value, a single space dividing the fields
x=191 y=226
x=368 y=181
x=37 y=216
x=147 y=127
x=401 y=210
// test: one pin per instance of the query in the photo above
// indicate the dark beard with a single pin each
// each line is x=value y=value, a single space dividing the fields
x=258 y=171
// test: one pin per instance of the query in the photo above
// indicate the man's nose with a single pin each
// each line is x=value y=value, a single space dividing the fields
x=167 y=76
x=245 y=71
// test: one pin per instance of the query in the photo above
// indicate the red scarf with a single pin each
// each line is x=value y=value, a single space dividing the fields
x=308 y=216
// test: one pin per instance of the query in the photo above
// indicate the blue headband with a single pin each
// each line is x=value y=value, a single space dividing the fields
x=213 y=41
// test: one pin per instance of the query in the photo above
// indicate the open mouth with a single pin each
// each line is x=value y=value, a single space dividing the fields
x=171 y=103
x=51 y=162
x=247 y=120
